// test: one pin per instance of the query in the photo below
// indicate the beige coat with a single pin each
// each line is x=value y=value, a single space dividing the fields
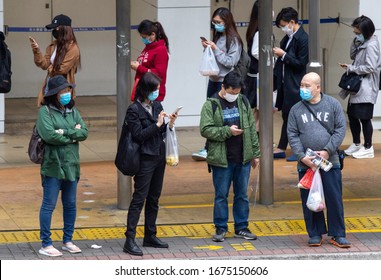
x=68 y=67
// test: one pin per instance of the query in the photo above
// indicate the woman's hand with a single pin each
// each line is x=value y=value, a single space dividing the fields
x=160 y=118
x=134 y=65
x=172 y=119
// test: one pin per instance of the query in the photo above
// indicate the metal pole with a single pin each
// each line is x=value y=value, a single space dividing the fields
x=266 y=173
x=315 y=64
x=123 y=73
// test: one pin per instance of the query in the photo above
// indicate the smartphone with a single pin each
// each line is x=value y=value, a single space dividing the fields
x=177 y=110
x=203 y=39
x=32 y=40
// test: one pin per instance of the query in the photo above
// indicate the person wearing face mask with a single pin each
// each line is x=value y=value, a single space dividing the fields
x=305 y=131
x=289 y=69
x=228 y=125
x=365 y=51
x=62 y=56
x=155 y=55
x=145 y=118
x=61 y=127
x=227 y=46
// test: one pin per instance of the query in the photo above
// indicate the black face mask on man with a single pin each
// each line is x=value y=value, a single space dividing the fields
x=55 y=33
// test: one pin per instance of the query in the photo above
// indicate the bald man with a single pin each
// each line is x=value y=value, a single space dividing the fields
x=305 y=130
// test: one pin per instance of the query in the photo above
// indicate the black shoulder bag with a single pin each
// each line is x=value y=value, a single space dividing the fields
x=340 y=153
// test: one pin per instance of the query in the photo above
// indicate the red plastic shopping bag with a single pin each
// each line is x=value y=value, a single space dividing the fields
x=315 y=200
x=306 y=181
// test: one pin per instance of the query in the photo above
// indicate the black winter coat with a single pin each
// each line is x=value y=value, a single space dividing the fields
x=144 y=129
x=295 y=67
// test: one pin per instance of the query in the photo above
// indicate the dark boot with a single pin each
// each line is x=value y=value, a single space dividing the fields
x=153 y=241
x=131 y=247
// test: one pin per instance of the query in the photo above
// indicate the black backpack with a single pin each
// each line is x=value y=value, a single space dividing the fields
x=5 y=66
x=243 y=64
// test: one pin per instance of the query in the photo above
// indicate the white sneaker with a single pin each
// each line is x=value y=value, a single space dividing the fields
x=364 y=153
x=200 y=156
x=352 y=149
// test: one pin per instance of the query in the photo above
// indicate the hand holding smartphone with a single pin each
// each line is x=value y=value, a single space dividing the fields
x=203 y=39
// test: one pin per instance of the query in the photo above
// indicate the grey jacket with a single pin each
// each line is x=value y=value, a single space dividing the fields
x=367 y=61
x=226 y=60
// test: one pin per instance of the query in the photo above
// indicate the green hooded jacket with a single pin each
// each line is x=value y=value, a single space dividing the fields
x=213 y=129
x=61 y=155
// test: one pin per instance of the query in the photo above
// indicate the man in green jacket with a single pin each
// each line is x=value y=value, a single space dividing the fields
x=228 y=125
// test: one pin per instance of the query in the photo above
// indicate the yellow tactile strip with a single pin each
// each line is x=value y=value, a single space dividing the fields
x=260 y=228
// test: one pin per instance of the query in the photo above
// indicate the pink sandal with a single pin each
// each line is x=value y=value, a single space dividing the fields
x=71 y=248
x=49 y=251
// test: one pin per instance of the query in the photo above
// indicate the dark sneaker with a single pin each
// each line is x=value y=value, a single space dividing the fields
x=220 y=235
x=315 y=241
x=341 y=242
x=245 y=233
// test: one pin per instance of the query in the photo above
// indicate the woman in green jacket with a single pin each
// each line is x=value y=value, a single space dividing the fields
x=61 y=127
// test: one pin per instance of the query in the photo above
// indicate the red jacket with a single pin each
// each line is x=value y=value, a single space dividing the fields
x=154 y=58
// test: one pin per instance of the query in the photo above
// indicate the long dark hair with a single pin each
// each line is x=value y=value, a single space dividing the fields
x=253 y=23
x=65 y=37
x=146 y=27
x=147 y=84
x=230 y=27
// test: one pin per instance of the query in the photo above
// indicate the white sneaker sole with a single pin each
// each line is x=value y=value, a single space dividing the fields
x=198 y=158
x=362 y=156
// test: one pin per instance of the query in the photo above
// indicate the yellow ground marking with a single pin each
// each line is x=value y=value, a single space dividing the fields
x=209 y=247
x=246 y=246
x=260 y=228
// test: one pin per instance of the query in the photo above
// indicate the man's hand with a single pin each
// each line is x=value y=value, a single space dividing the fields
x=235 y=130
x=278 y=52
x=254 y=162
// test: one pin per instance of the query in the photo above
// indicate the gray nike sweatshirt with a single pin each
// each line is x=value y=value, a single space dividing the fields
x=304 y=131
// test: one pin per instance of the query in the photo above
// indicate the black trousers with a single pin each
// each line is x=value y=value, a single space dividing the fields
x=283 y=140
x=147 y=189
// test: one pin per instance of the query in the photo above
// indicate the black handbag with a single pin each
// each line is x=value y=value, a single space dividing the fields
x=127 y=158
x=36 y=147
x=351 y=81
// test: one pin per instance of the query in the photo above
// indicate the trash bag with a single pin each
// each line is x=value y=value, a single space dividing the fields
x=171 y=149
x=315 y=200
x=208 y=66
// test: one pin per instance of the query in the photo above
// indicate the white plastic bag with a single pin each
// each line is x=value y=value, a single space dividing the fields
x=171 y=149
x=208 y=66
x=315 y=200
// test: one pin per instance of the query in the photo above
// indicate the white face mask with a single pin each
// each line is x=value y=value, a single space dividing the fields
x=287 y=30
x=230 y=97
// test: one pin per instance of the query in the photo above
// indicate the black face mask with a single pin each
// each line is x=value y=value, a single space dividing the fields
x=55 y=33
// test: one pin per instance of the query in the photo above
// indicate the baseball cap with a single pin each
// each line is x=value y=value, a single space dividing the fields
x=59 y=20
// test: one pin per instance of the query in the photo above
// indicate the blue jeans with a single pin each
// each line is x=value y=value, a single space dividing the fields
x=333 y=194
x=51 y=188
x=239 y=174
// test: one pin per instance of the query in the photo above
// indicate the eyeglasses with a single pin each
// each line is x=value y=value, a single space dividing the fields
x=215 y=22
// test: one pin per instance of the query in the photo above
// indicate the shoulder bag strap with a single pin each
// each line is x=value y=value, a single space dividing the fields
x=313 y=113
